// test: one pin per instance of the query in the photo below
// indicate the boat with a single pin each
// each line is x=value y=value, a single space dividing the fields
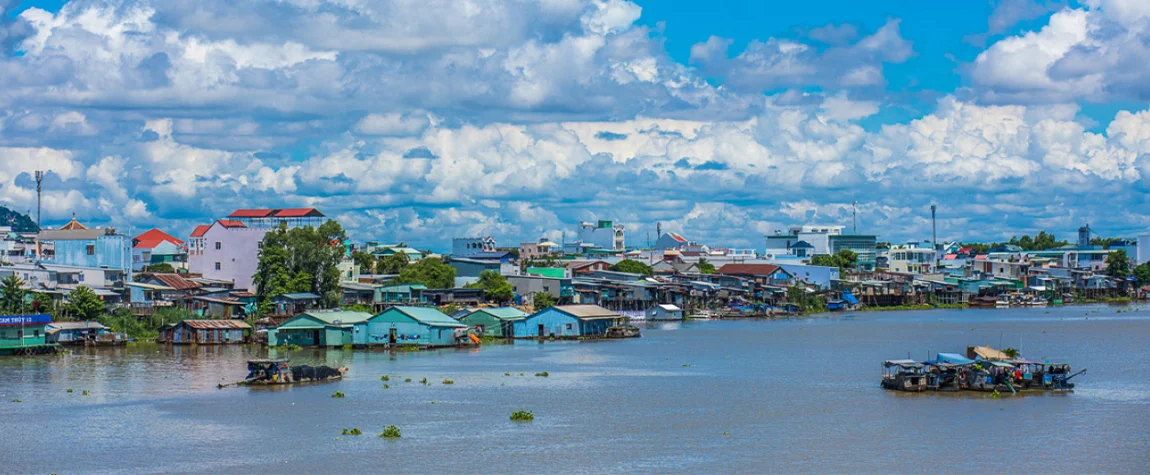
x=704 y=315
x=903 y=375
x=268 y=372
x=622 y=331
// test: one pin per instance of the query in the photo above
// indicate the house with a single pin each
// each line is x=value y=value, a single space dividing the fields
x=529 y=285
x=157 y=247
x=420 y=326
x=226 y=250
x=24 y=334
x=18 y=248
x=322 y=328
x=292 y=304
x=578 y=267
x=219 y=307
x=665 y=312
x=552 y=272
x=802 y=249
x=495 y=322
x=604 y=234
x=206 y=332
x=467 y=267
x=457 y=296
x=77 y=246
x=765 y=274
x=674 y=267
x=532 y=250
x=568 y=321
x=400 y=294
x=670 y=240
x=354 y=293
x=74 y=333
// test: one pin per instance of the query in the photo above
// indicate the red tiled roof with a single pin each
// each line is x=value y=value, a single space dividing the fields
x=297 y=213
x=251 y=213
x=200 y=230
x=748 y=269
x=176 y=281
x=153 y=238
x=231 y=223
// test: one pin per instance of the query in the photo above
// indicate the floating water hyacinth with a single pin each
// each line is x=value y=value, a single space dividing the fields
x=448 y=381
x=354 y=431
x=522 y=416
x=390 y=432
x=337 y=395
x=543 y=374
x=384 y=378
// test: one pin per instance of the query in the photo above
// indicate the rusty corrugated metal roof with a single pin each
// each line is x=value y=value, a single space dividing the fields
x=217 y=324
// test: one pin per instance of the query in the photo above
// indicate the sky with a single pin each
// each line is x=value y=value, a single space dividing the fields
x=420 y=120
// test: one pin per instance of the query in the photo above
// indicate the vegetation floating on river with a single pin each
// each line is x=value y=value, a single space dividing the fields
x=448 y=381
x=543 y=374
x=337 y=395
x=353 y=431
x=390 y=432
x=522 y=416
x=384 y=378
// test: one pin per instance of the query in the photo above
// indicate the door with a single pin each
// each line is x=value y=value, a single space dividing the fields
x=391 y=336
x=315 y=338
x=541 y=331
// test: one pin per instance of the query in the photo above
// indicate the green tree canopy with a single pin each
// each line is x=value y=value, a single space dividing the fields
x=365 y=261
x=543 y=300
x=705 y=267
x=303 y=259
x=495 y=286
x=161 y=268
x=12 y=294
x=431 y=271
x=1117 y=264
x=631 y=266
x=845 y=259
x=84 y=304
x=393 y=264
x=1142 y=273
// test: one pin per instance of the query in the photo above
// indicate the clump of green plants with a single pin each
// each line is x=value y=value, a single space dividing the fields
x=337 y=395
x=69 y=390
x=521 y=374
x=353 y=431
x=17 y=400
x=507 y=374
x=448 y=381
x=686 y=365
x=390 y=432
x=522 y=416
x=386 y=386
x=87 y=393
x=994 y=395
x=384 y=378
x=423 y=381
x=543 y=374
x=292 y=347
x=347 y=347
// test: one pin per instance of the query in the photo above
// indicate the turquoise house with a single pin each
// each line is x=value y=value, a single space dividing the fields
x=400 y=294
x=322 y=328
x=413 y=326
x=568 y=321
x=494 y=321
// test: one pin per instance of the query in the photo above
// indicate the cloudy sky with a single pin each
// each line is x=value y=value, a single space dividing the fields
x=419 y=120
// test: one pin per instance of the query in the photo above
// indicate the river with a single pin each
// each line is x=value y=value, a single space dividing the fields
x=754 y=396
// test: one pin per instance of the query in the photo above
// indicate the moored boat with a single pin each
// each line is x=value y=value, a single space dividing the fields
x=903 y=375
x=267 y=372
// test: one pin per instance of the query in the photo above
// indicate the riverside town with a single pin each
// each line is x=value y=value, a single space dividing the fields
x=290 y=277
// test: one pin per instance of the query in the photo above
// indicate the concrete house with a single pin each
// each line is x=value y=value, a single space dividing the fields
x=229 y=249
x=568 y=321
x=495 y=322
x=157 y=247
x=665 y=312
x=604 y=234
x=420 y=326
x=77 y=246
x=532 y=250
x=320 y=328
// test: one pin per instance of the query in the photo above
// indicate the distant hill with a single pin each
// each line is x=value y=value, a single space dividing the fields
x=20 y=222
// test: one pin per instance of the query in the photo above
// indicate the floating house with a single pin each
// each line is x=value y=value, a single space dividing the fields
x=665 y=312
x=400 y=294
x=568 y=321
x=497 y=322
x=414 y=326
x=24 y=334
x=294 y=304
x=322 y=328
x=205 y=332
x=82 y=333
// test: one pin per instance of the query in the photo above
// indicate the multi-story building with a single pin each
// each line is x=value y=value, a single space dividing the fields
x=604 y=234
x=158 y=247
x=532 y=250
x=229 y=249
x=823 y=239
x=472 y=246
x=911 y=259
x=77 y=246
x=16 y=248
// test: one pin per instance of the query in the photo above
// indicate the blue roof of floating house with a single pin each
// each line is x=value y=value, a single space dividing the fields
x=954 y=358
x=429 y=316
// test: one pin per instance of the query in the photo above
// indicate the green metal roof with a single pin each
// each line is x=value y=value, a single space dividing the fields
x=343 y=317
x=429 y=316
x=504 y=313
x=553 y=272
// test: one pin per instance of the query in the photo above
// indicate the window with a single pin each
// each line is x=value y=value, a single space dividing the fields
x=570 y=326
x=91 y=249
x=218 y=246
x=81 y=278
x=217 y=266
x=36 y=333
x=546 y=288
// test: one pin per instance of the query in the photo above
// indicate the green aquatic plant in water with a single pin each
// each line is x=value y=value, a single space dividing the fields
x=337 y=395
x=522 y=416
x=386 y=386
x=407 y=380
x=87 y=393
x=353 y=431
x=384 y=378
x=994 y=395
x=69 y=390
x=448 y=381
x=390 y=432
x=423 y=381
x=347 y=347
x=543 y=374
x=17 y=400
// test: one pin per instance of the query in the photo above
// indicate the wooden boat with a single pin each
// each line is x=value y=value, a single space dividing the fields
x=267 y=372
x=903 y=375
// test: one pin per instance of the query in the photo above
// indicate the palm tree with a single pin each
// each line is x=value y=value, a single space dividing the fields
x=12 y=294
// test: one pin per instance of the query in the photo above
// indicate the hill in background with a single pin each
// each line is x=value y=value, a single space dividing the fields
x=19 y=222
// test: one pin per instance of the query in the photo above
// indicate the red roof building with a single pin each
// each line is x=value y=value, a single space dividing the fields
x=200 y=230
x=153 y=238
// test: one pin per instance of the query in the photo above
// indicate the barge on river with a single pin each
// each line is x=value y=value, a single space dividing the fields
x=983 y=369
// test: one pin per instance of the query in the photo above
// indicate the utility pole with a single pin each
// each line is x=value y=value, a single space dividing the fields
x=933 y=237
x=39 y=189
x=855 y=215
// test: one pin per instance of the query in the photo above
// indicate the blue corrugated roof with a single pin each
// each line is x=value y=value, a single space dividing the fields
x=429 y=316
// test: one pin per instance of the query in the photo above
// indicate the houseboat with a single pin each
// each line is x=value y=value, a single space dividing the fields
x=903 y=375
x=268 y=372
x=25 y=334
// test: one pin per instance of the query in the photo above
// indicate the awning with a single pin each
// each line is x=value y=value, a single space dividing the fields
x=903 y=363
x=954 y=358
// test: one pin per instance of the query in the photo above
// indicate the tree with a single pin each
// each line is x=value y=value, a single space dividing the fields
x=495 y=286
x=84 y=303
x=845 y=259
x=365 y=261
x=542 y=300
x=431 y=272
x=631 y=266
x=1142 y=273
x=705 y=267
x=392 y=264
x=12 y=294
x=303 y=259
x=1117 y=264
x=161 y=268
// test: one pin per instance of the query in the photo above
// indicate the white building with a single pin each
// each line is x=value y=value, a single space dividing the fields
x=604 y=234
x=911 y=260
x=818 y=236
x=472 y=246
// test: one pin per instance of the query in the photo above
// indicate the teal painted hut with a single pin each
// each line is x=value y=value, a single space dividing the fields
x=495 y=322
x=413 y=326
x=400 y=294
x=568 y=321
x=320 y=328
x=24 y=334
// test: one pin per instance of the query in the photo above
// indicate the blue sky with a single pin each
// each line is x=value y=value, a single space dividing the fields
x=419 y=121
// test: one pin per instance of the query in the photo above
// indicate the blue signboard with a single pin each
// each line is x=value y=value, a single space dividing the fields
x=17 y=320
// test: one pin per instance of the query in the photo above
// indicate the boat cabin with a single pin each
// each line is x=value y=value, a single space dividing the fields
x=903 y=375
